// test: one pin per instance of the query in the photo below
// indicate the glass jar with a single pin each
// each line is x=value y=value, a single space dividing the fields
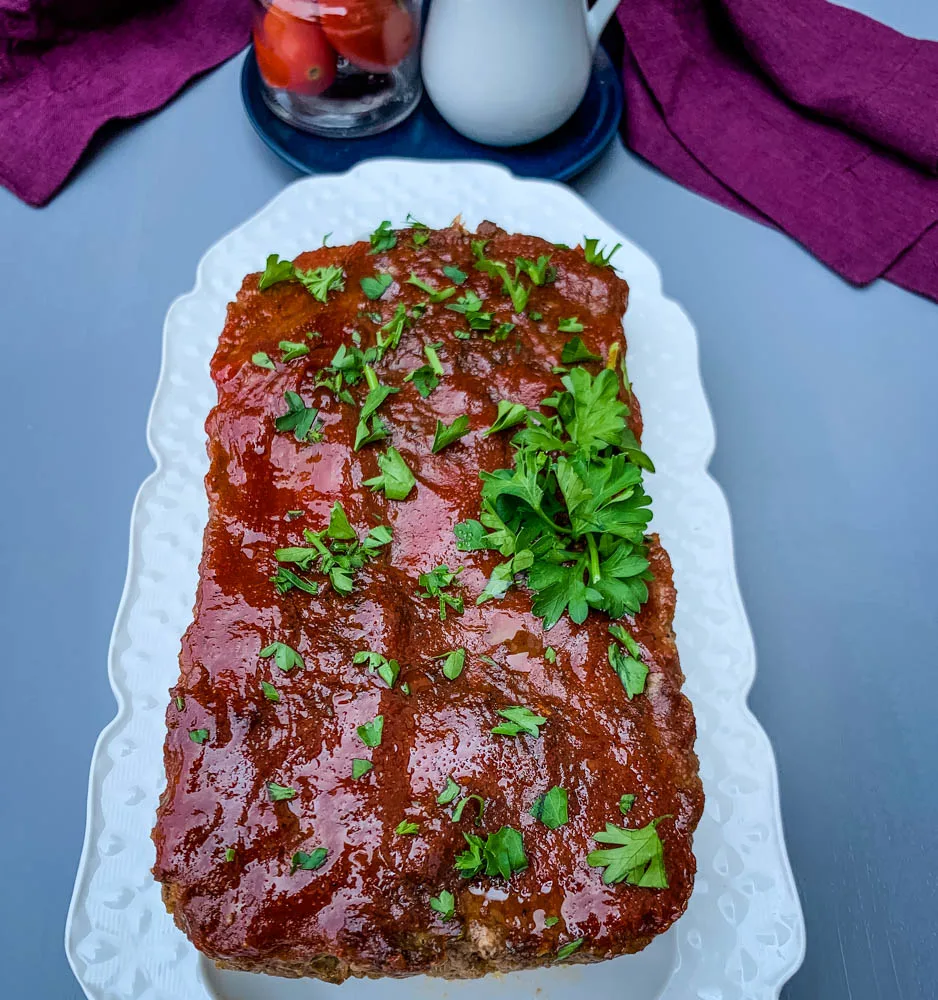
x=339 y=67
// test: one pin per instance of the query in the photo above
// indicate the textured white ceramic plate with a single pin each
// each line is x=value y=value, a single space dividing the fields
x=743 y=933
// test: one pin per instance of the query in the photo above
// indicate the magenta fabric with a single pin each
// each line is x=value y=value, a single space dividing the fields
x=63 y=73
x=801 y=114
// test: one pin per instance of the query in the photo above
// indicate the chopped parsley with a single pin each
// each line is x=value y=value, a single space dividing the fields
x=576 y=352
x=535 y=316
x=405 y=688
x=229 y=854
x=421 y=231
x=639 y=860
x=270 y=692
x=512 y=285
x=540 y=271
x=291 y=515
x=470 y=305
x=501 y=853
x=449 y=793
x=572 y=511
x=407 y=829
x=262 y=360
x=551 y=807
x=179 y=702
x=453 y=663
x=520 y=720
x=280 y=793
x=198 y=735
x=626 y=803
x=336 y=550
x=455 y=274
x=395 y=477
x=445 y=435
x=346 y=368
x=434 y=294
x=387 y=670
x=292 y=350
x=445 y=905
x=320 y=281
x=383 y=238
x=571 y=324
x=566 y=950
x=461 y=805
x=277 y=270
x=360 y=767
x=500 y=333
x=628 y=667
x=594 y=253
x=299 y=418
x=284 y=656
x=551 y=921
x=377 y=394
x=285 y=580
x=375 y=287
x=550 y=654
x=301 y=861
x=370 y=732
x=436 y=583
x=424 y=379
x=509 y=415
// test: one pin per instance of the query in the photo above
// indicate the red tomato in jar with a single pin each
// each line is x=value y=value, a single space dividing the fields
x=374 y=35
x=293 y=54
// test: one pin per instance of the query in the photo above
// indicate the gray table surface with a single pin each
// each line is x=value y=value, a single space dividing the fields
x=825 y=404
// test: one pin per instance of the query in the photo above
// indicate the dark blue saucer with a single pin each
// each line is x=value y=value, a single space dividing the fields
x=425 y=135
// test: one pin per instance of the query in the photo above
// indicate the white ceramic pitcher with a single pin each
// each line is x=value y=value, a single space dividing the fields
x=505 y=72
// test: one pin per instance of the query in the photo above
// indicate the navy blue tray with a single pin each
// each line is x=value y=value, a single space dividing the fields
x=425 y=135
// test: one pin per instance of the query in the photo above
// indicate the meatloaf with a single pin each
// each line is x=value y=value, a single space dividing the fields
x=427 y=720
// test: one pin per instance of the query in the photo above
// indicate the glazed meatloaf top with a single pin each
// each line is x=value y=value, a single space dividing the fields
x=427 y=720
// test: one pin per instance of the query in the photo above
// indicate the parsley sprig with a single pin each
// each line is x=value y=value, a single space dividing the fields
x=501 y=853
x=336 y=551
x=638 y=860
x=436 y=583
x=572 y=512
x=387 y=670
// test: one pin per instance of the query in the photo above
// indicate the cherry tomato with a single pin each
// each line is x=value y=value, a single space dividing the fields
x=293 y=53
x=374 y=35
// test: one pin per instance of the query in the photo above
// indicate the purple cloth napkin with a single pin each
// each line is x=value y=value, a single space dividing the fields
x=801 y=114
x=69 y=66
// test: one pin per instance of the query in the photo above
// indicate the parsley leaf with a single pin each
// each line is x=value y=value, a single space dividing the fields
x=436 y=582
x=536 y=317
x=424 y=378
x=470 y=305
x=270 y=692
x=375 y=287
x=301 y=861
x=198 y=735
x=571 y=324
x=594 y=253
x=445 y=905
x=370 y=732
x=550 y=654
x=276 y=270
x=179 y=702
x=453 y=663
x=377 y=394
x=511 y=284
x=434 y=294
x=262 y=360
x=520 y=720
x=449 y=793
x=500 y=332
x=292 y=351
x=575 y=352
x=387 y=670
x=630 y=670
x=395 y=477
x=455 y=274
x=360 y=767
x=551 y=921
x=320 y=281
x=501 y=853
x=626 y=803
x=299 y=418
x=461 y=805
x=566 y=950
x=285 y=580
x=383 y=238
x=551 y=807
x=421 y=231
x=445 y=435
x=541 y=271
x=280 y=793
x=639 y=860
x=284 y=656
x=509 y=415
x=230 y=854
x=407 y=829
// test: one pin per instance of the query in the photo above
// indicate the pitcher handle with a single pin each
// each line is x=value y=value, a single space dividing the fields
x=598 y=18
